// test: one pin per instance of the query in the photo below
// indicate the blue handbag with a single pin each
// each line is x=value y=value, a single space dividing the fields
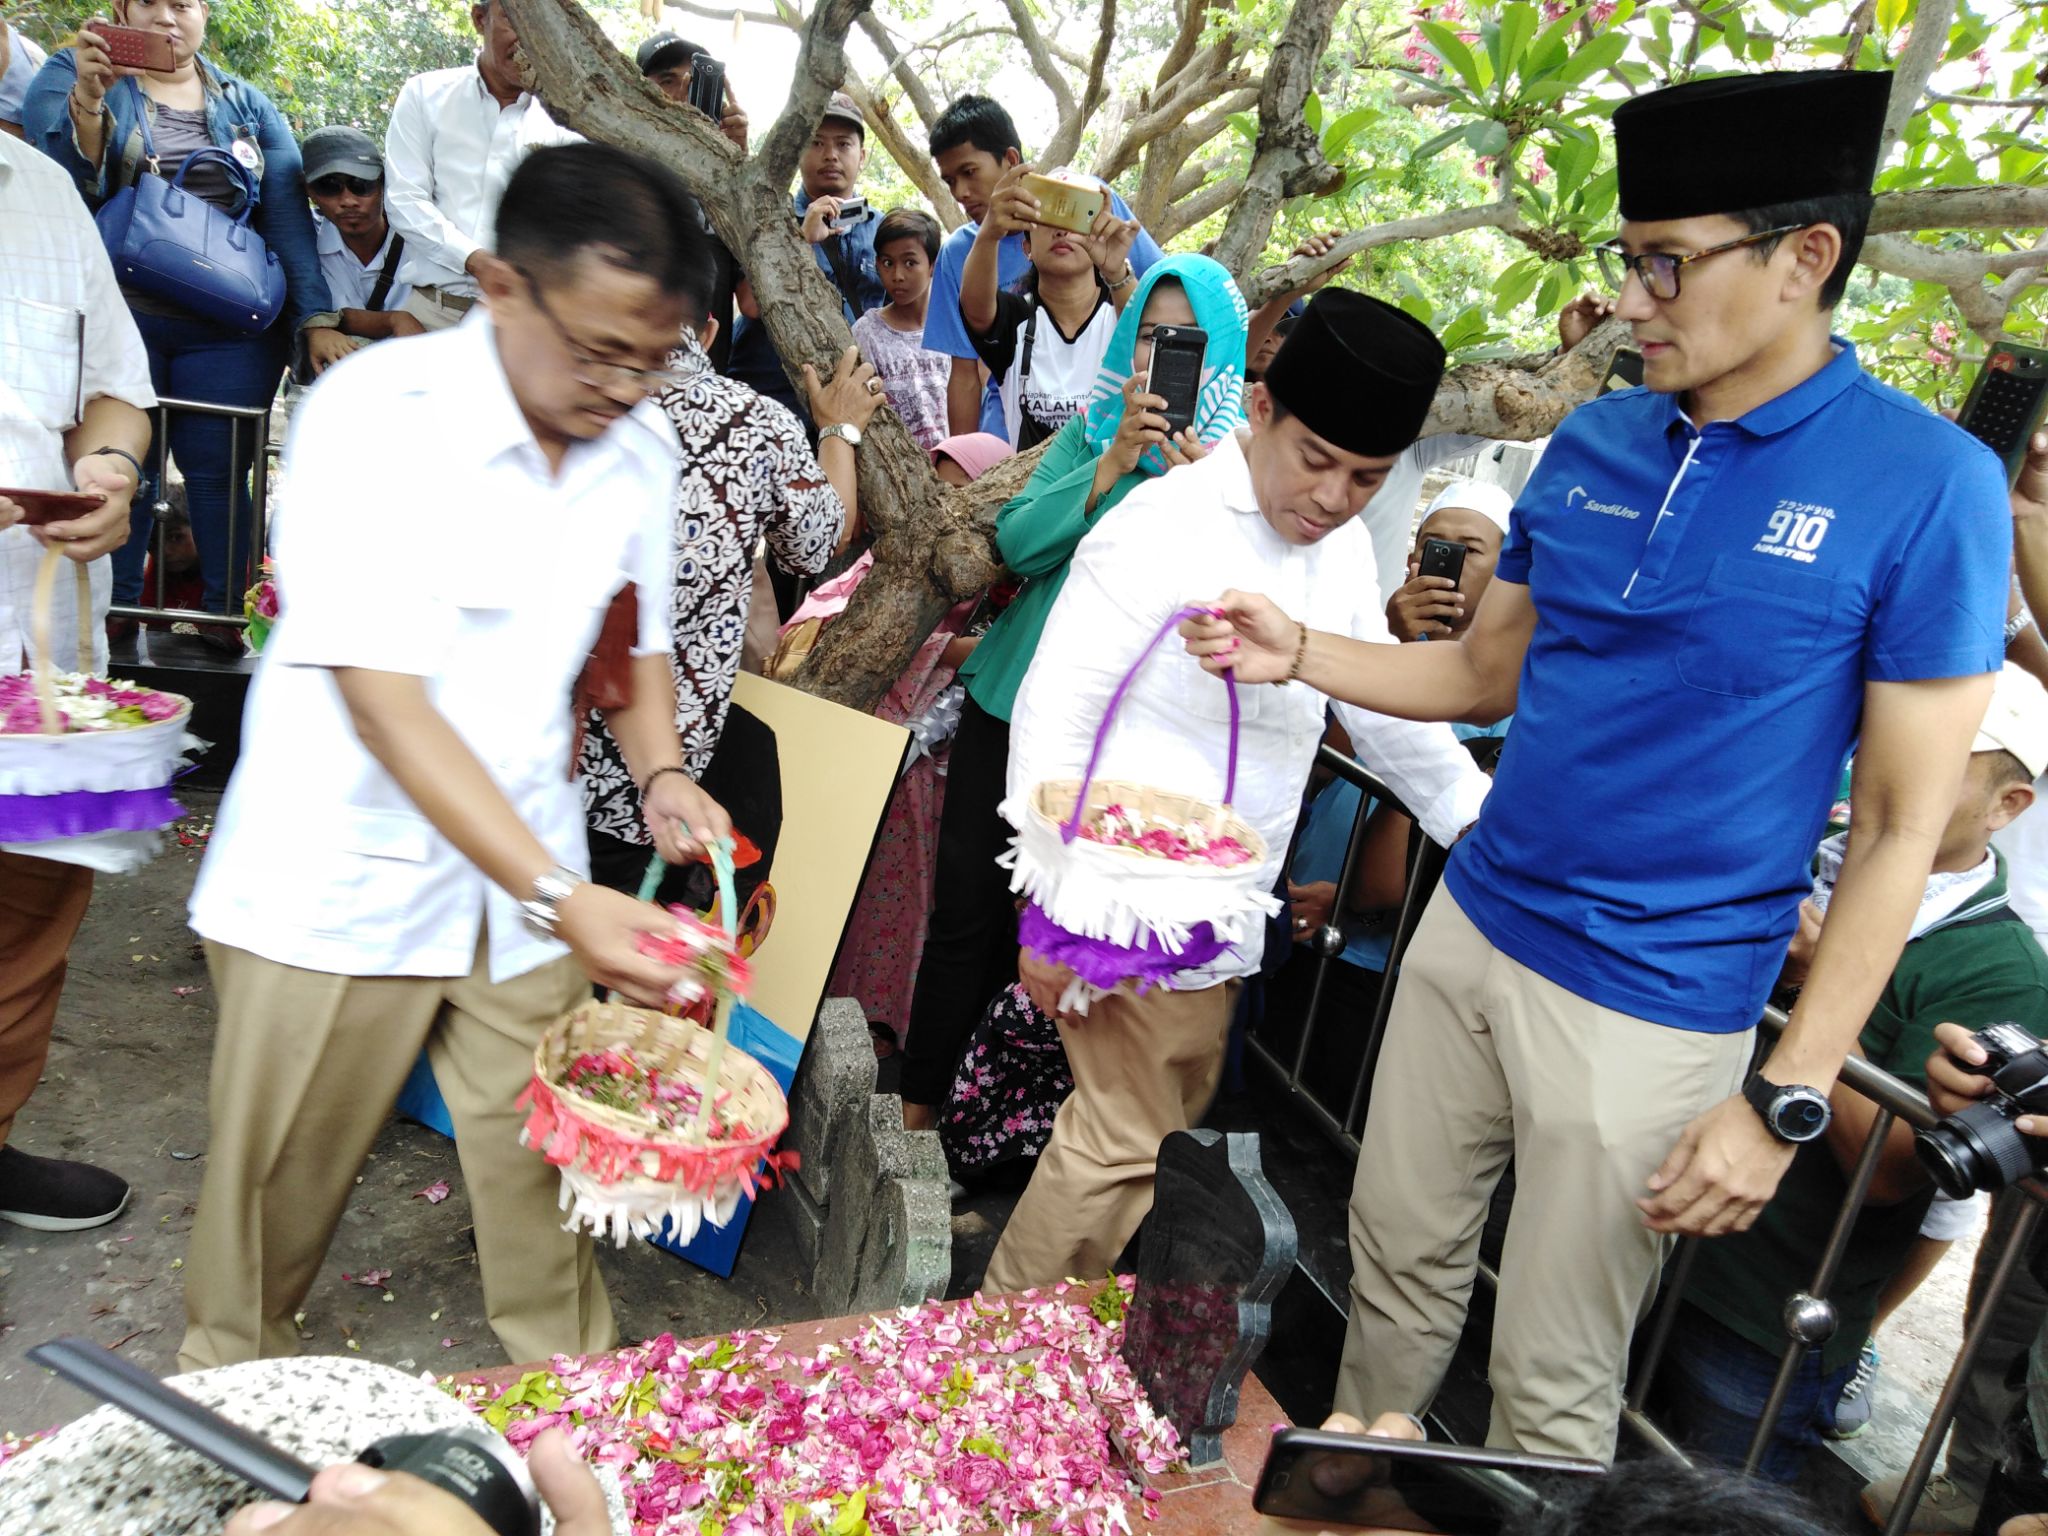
x=174 y=245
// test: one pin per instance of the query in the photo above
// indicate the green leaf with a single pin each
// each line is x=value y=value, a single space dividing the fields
x=985 y=1445
x=1572 y=159
x=1599 y=54
x=1734 y=34
x=1247 y=125
x=851 y=1520
x=1312 y=112
x=1517 y=26
x=1487 y=137
x=1552 y=291
x=1516 y=284
x=1761 y=46
x=1429 y=147
x=1449 y=47
x=1338 y=136
x=1890 y=14
x=1552 y=46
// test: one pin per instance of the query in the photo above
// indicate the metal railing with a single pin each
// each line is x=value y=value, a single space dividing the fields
x=247 y=426
x=1809 y=1316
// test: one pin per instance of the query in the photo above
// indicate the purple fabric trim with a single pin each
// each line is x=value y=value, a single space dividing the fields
x=1104 y=964
x=1073 y=827
x=83 y=813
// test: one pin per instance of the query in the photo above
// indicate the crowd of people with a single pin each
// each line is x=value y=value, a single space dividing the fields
x=1713 y=593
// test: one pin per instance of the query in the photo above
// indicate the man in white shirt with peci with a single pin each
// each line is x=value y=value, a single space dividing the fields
x=1343 y=399
x=399 y=860
x=455 y=137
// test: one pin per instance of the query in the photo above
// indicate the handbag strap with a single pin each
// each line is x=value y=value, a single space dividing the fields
x=237 y=171
x=1073 y=827
x=387 y=274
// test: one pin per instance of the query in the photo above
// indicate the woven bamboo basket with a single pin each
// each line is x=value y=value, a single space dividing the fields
x=1053 y=803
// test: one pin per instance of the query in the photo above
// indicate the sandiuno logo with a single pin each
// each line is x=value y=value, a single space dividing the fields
x=1577 y=496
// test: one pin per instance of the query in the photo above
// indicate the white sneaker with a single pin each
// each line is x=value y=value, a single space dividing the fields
x=1945 y=1509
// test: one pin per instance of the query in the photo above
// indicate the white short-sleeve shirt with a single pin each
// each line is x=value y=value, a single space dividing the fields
x=65 y=337
x=423 y=533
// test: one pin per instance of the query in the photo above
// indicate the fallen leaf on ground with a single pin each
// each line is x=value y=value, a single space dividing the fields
x=374 y=1278
x=434 y=1193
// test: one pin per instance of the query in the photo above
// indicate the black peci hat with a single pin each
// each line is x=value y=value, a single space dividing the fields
x=1358 y=372
x=1749 y=141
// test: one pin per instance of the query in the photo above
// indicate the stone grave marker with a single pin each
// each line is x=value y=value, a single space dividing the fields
x=1215 y=1251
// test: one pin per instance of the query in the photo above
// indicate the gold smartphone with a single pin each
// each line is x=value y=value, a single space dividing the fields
x=1066 y=201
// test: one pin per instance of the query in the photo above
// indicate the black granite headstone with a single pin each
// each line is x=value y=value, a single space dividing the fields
x=1215 y=1250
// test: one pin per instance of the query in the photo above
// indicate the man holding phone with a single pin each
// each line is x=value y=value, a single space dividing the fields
x=669 y=62
x=74 y=390
x=1759 y=561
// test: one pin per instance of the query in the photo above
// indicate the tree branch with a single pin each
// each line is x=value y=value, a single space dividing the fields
x=1067 y=140
x=913 y=84
x=1514 y=402
x=1042 y=62
x=1289 y=159
x=2003 y=205
x=2036 y=103
x=1930 y=264
x=1273 y=281
x=820 y=70
x=910 y=158
x=1916 y=62
x=726 y=13
x=1184 y=215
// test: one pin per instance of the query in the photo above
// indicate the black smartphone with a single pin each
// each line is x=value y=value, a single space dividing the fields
x=1442 y=557
x=707 y=85
x=1624 y=371
x=1176 y=372
x=2007 y=403
x=1321 y=1476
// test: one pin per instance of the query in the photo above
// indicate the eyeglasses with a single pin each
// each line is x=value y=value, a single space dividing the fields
x=594 y=370
x=1657 y=271
x=335 y=185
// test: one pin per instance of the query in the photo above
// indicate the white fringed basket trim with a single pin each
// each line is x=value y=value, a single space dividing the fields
x=1100 y=891
x=640 y=1207
x=101 y=762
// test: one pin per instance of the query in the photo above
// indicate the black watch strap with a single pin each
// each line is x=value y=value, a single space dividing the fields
x=1792 y=1112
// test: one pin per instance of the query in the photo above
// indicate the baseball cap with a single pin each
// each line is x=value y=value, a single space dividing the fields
x=2017 y=721
x=842 y=107
x=663 y=50
x=341 y=152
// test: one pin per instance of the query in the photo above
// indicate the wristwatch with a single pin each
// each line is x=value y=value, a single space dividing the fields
x=846 y=431
x=543 y=909
x=1793 y=1113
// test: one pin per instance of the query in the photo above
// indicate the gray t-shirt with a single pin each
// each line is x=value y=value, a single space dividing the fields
x=180 y=134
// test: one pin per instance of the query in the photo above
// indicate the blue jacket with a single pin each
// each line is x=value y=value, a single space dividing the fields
x=236 y=112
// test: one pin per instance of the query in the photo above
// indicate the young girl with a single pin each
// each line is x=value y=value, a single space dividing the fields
x=1118 y=440
x=1045 y=346
x=892 y=337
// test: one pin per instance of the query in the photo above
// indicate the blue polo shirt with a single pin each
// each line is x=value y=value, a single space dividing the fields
x=1709 y=606
x=945 y=331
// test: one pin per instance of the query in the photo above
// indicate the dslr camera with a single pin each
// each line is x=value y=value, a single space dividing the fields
x=1979 y=1148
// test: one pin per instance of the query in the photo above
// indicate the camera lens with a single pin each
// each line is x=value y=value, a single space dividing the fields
x=1975 y=1148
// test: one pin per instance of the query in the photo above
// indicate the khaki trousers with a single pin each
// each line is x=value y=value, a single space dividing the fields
x=306 y=1068
x=42 y=903
x=1484 y=1058
x=1143 y=1067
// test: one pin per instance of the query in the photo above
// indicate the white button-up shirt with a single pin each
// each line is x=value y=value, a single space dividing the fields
x=448 y=153
x=423 y=533
x=65 y=337
x=1182 y=539
x=351 y=282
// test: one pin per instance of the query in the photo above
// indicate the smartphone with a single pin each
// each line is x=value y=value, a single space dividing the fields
x=1176 y=372
x=1624 y=371
x=43 y=507
x=1069 y=203
x=135 y=48
x=707 y=85
x=851 y=211
x=1442 y=557
x=1324 y=1477
x=2007 y=403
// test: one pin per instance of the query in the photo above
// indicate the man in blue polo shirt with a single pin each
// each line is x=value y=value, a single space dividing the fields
x=1712 y=589
x=975 y=144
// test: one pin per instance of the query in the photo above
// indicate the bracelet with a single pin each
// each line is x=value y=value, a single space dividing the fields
x=136 y=464
x=2016 y=626
x=671 y=768
x=1300 y=655
x=1130 y=276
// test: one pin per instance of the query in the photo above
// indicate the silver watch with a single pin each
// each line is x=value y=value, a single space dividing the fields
x=845 y=430
x=543 y=909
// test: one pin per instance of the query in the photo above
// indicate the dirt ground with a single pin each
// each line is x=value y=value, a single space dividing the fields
x=126 y=1088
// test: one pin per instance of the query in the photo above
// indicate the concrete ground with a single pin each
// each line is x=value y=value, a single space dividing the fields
x=126 y=1088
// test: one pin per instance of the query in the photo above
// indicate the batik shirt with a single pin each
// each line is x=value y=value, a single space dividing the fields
x=747 y=473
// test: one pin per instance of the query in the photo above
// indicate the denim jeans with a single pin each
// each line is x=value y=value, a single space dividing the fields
x=194 y=359
x=1712 y=1386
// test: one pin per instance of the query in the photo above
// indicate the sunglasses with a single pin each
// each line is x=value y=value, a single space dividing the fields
x=334 y=186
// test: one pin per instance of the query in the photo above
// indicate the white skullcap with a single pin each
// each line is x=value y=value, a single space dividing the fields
x=1489 y=501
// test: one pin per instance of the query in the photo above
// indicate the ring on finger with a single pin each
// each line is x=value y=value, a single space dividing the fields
x=874 y=386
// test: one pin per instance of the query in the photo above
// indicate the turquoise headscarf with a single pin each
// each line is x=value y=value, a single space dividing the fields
x=1220 y=312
